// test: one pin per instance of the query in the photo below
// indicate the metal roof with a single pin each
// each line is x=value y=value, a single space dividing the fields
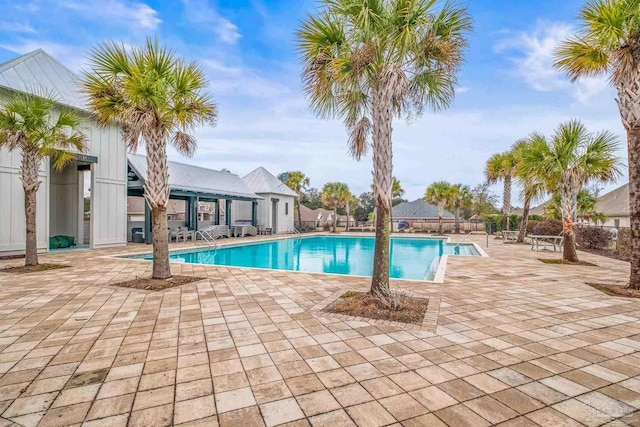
x=189 y=178
x=39 y=73
x=417 y=209
x=261 y=181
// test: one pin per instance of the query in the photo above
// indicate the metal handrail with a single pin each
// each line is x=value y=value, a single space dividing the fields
x=209 y=242
x=469 y=234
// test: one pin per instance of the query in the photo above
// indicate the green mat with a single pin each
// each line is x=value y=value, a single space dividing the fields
x=57 y=242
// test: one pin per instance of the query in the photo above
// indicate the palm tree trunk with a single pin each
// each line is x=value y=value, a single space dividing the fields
x=567 y=208
x=628 y=95
x=335 y=217
x=440 y=215
x=30 y=184
x=299 y=213
x=346 y=228
x=525 y=219
x=383 y=182
x=161 y=266
x=506 y=203
x=457 y=220
x=157 y=195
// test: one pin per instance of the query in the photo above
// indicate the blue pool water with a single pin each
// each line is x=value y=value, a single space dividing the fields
x=411 y=258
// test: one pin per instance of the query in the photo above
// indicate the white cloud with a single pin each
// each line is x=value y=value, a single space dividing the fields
x=130 y=13
x=199 y=12
x=16 y=27
x=533 y=61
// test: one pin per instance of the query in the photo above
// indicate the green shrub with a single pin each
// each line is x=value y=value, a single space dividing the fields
x=493 y=223
x=536 y=217
x=548 y=227
x=326 y=227
x=593 y=238
x=514 y=222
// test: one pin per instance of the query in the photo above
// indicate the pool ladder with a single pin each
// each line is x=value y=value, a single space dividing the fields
x=210 y=242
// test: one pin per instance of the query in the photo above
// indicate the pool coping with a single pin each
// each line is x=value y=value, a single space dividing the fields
x=438 y=277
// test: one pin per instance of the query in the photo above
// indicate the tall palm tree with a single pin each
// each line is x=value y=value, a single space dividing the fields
x=439 y=193
x=334 y=195
x=350 y=205
x=566 y=163
x=28 y=123
x=532 y=187
x=369 y=61
x=298 y=182
x=460 y=197
x=608 y=43
x=159 y=98
x=502 y=166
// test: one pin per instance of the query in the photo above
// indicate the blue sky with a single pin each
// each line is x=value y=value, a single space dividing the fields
x=507 y=87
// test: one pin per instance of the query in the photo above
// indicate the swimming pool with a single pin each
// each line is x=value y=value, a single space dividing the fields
x=411 y=258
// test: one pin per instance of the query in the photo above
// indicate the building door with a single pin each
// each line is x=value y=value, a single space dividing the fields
x=274 y=215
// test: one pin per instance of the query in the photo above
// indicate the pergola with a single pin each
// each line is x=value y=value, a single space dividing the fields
x=192 y=184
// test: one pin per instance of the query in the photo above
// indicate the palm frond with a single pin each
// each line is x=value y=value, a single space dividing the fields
x=580 y=58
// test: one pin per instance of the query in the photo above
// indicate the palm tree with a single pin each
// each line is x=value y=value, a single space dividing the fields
x=566 y=163
x=608 y=43
x=502 y=166
x=350 y=205
x=585 y=205
x=460 y=197
x=29 y=123
x=334 y=195
x=439 y=193
x=298 y=182
x=159 y=99
x=532 y=188
x=369 y=61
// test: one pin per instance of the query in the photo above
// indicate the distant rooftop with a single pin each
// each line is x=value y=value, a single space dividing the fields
x=416 y=210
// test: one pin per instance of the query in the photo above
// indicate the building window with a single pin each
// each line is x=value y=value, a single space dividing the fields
x=286 y=208
x=616 y=223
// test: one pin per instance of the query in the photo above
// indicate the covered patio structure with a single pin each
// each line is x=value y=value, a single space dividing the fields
x=193 y=184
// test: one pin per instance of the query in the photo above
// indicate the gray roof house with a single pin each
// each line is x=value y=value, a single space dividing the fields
x=615 y=205
x=417 y=210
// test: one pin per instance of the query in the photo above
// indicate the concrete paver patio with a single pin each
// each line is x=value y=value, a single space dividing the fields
x=518 y=343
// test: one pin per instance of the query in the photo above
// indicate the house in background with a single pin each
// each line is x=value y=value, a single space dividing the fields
x=99 y=174
x=615 y=205
x=419 y=214
x=319 y=217
x=275 y=209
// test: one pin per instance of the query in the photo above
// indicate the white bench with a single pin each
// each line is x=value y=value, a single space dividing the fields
x=540 y=241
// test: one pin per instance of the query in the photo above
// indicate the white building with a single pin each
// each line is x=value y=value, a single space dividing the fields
x=99 y=174
x=276 y=208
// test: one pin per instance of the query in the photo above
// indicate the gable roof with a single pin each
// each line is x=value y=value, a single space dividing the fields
x=615 y=203
x=261 y=181
x=196 y=179
x=39 y=73
x=417 y=209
